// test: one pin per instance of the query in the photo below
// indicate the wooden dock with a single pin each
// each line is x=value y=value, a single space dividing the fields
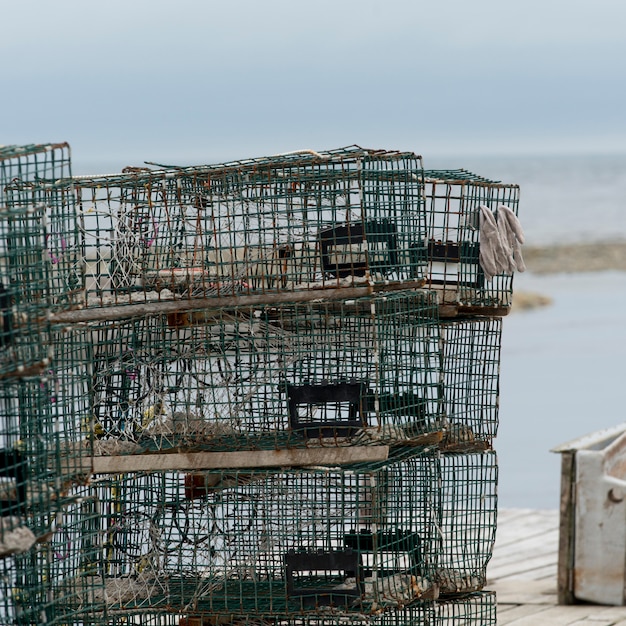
x=523 y=573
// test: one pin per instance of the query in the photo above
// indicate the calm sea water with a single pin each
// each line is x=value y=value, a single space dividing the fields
x=562 y=376
x=563 y=371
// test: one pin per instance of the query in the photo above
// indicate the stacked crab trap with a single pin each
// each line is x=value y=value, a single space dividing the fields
x=263 y=391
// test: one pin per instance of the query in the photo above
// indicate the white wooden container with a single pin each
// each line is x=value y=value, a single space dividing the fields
x=592 y=545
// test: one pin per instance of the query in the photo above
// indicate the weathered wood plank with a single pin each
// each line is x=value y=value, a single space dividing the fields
x=526 y=590
x=557 y=616
x=330 y=292
x=521 y=612
x=610 y=613
x=546 y=543
x=521 y=565
x=573 y=615
x=540 y=573
x=566 y=528
x=510 y=529
x=236 y=460
x=515 y=591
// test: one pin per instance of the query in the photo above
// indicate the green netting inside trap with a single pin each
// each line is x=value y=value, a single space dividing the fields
x=453 y=198
x=261 y=542
x=320 y=373
x=471 y=380
x=281 y=224
x=468 y=522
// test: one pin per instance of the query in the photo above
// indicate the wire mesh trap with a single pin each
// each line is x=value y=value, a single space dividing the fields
x=471 y=380
x=24 y=283
x=155 y=320
x=34 y=588
x=321 y=373
x=34 y=162
x=345 y=217
x=468 y=521
x=44 y=441
x=464 y=610
x=39 y=459
x=453 y=208
x=479 y=608
x=263 y=542
x=467 y=609
x=40 y=257
x=357 y=540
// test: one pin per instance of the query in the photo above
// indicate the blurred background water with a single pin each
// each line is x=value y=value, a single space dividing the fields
x=562 y=376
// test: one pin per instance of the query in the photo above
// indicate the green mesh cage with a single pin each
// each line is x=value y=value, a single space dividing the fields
x=266 y=542
x=32 y=163
x=468 y=610
x=453 y=198
x=468 y=524
x=325 y=373
x=24 y=283
x=308 y=221
x=263 y=319
x=40 y=256
x=464 y=610
x=43 y=447
x=471 y=380
x=34 y=588
x=28 y=491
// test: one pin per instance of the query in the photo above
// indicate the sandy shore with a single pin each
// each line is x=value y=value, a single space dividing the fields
x=567 y=258
x=570 y=258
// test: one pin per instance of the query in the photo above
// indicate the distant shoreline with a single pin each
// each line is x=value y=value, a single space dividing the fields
x=567 y=259
x=575 y=258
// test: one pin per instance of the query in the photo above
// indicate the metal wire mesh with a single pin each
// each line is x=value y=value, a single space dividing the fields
x=453 y=198
x=467 y=610
x=33 y=162
x=41 y=453
x=262 y=542
x=468 y=523
x=265 y=542
x=39 y=252
x=281 y=224
x=329 y=373
x=34 y=588
x=471 y=380
x=245 y=327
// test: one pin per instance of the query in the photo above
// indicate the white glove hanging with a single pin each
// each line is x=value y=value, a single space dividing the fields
x=500 y=242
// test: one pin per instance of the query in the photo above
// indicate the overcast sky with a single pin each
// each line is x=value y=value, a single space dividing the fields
x=204 y=81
